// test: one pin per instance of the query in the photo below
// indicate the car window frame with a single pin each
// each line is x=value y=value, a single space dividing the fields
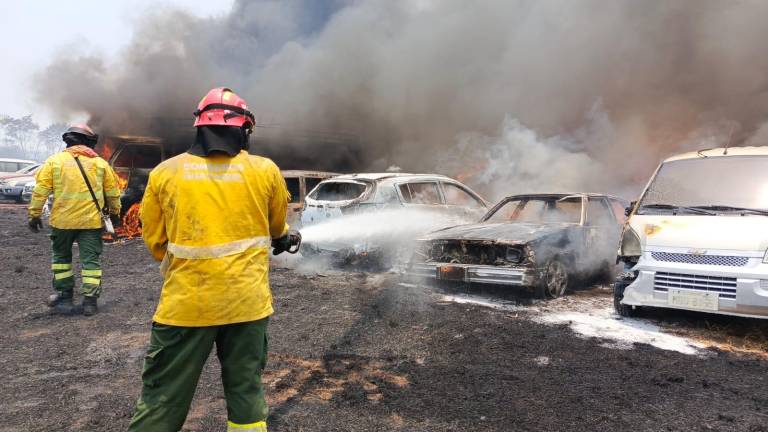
x=481 y=203
x=606 y=205
x=524 y=200
x=436 y=182
x=300 y=198
x=618 y=214
x=369 y=186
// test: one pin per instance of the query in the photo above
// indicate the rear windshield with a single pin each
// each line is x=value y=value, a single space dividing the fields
x=12 y=166
x=138 y=156
x=338 y=191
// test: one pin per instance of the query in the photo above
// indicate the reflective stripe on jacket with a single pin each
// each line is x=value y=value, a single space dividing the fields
x=73 y=207
x=210 y=220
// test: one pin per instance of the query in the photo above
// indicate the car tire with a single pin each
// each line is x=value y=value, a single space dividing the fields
x=618 y=294
x=555 y=279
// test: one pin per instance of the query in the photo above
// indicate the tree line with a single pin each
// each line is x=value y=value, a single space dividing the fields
x=22 y=137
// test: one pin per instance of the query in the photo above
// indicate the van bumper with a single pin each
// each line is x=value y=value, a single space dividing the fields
x=739 y=291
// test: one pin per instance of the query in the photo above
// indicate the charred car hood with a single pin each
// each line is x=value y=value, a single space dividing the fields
x=507 y=232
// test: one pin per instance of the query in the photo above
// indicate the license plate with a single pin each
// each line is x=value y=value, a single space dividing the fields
x=451 y=273
x=693 y=300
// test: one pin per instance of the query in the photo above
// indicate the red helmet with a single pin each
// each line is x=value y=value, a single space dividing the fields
x=223 y=107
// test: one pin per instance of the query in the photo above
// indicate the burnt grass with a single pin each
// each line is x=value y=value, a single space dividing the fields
x=354 y=352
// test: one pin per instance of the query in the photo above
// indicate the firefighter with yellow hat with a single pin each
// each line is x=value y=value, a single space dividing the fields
x=83 y=185
x=210 y=215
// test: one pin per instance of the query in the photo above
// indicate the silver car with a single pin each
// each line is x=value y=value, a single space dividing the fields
x=363 y=214
x=13 y=188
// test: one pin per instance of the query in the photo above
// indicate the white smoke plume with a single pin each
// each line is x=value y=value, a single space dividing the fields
x=539 y=94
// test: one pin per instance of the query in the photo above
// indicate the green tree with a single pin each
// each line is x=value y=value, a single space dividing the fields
x=21 y=133
x=49 y=139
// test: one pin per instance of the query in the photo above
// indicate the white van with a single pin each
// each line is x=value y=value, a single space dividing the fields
x=13 y=166
x=698 y=237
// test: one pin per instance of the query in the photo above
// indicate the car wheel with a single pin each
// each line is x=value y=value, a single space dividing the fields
x=555 y=280
x=618 y=295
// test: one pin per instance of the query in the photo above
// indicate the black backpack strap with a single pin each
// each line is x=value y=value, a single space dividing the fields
x=87 y=183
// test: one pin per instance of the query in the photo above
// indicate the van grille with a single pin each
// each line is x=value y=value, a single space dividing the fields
x=718 y=260
x=725 y=286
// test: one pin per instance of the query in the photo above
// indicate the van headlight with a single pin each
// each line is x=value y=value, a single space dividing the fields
x=630 y=243
x=765 y=257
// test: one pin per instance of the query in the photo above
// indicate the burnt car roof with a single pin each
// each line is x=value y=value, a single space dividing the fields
x=563 y=195
x=308 y=173
x=388 y=175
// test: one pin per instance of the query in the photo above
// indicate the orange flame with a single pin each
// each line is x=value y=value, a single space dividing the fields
x=131 y=223
x=122 y=181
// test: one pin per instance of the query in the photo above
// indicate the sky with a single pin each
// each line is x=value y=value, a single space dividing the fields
x=34 y=30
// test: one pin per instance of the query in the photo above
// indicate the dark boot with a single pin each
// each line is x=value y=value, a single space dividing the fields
x=62 y=302
x=89 y=306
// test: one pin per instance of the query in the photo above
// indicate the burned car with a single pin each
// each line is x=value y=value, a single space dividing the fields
x=299 y=184
x=369 y=214
x=133 y=158
x=541 y=242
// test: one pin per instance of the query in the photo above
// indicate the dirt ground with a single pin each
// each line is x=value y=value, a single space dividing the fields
x=365 y=352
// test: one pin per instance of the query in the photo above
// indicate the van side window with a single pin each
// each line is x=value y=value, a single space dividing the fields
x=455 y=195
x=9 y=166
x=294 y=188
x=420 y=193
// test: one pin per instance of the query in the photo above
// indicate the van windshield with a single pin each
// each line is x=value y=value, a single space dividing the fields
x=709 y=185
x=338 y=191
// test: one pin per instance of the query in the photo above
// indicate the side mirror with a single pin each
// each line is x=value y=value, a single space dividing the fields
x=628 y=210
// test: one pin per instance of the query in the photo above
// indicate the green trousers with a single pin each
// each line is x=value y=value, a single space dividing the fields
x=174 y=361
x=89 y=244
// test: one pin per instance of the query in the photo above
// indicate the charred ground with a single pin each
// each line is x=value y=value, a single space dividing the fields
x=354 y=351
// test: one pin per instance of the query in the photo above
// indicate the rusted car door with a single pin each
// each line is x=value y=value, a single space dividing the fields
x=603 y=231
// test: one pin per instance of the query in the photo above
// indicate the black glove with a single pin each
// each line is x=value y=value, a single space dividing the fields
x=35 y=224
x=288 y=243
x=115 y=219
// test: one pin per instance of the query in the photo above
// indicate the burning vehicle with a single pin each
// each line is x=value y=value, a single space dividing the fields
x=373 y=214
x=539 y=241
x=698 y=237
x=299 y=183
x=132 y=158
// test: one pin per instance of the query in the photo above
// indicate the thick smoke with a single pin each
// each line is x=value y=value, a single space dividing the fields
x=511 y=95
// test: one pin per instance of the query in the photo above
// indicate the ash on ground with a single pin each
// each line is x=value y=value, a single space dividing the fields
x=357 y=351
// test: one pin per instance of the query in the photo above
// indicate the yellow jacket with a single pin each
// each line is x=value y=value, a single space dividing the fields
x=73 y=206
x=211 y=221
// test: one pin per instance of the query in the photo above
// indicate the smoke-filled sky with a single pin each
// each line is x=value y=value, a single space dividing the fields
x=35 y=31
x=511 y=95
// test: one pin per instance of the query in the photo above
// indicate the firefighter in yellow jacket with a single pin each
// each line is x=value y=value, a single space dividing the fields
x=75 y=216
x=210 y=215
